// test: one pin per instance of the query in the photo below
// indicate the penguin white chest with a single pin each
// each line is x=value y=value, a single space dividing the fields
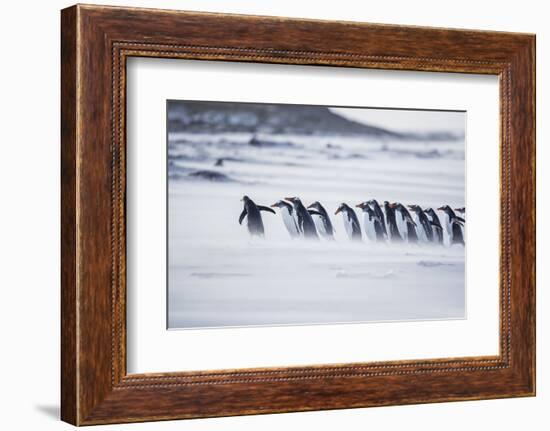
x=290 y=222
x=347 y=224
x=370 y=229
x=319 y=224
x=448 y=239
x=401 y=225
x=422 y=235
x=448 y=225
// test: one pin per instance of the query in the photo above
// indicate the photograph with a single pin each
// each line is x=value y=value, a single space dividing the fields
x=284 y=214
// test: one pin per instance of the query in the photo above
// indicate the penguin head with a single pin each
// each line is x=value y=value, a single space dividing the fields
x=315 y=205
x=363 y=205
x=342 y=207
x=397 y=206
x=245 y=199
x=366 y=208
x=279 y=204
x=372 y=202
x=415 y=208
x=293 y=199
x=446 y=209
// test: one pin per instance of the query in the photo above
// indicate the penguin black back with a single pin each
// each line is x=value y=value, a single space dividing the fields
x=392 y=223
x=253 y=216
x=425 y=226
x=378 y=211
x=436 y=225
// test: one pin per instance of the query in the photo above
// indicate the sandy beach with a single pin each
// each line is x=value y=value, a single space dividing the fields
x=219 y=276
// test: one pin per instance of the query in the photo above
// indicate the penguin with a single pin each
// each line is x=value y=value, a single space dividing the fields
x=321 y=220
x=425 y=229
x=454 y=225
x=405 y=223
x=372 y=223
x=436 y=225
x=287 y=212
x=378 y=212
x=254 y=218
x=351 y=222
x=394 y=235
x=305 y=221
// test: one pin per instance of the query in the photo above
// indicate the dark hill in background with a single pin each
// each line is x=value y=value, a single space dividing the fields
x=223 y=117
x=219 y=117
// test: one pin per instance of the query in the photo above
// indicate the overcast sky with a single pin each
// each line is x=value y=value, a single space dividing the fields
x=407 y=120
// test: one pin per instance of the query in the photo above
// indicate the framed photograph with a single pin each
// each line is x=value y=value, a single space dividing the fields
x=318 y=215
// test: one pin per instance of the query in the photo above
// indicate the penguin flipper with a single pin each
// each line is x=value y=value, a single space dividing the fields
x=242 y=216
x=313 y=212
x=460 y=219
x=262 y=208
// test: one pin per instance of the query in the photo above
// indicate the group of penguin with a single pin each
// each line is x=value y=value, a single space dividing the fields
x=395 y=223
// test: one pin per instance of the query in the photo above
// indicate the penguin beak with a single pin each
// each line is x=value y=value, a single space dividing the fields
x=440 y=208
x=290 y=199
x=411 y=207
x=338 y=210
x=360 y=206
x=273 y=206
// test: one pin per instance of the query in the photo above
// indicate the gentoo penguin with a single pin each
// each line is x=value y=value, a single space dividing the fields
x=405 y=223
x=287 y=211
x=372 y=223
x=351 y=222
x=253 y=216
x=425 y=229
x=454 y=225
x=436 y=224
x=391 y=222
x=378 y=212
x=322 y=220
x=305 y=221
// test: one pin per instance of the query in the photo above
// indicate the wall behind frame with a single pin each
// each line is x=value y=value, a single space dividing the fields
x=29 y=215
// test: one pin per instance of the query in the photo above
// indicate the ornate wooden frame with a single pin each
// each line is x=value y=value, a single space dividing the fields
x=95 y=42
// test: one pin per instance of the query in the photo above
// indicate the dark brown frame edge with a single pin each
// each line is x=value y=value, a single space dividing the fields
x=95 y=43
